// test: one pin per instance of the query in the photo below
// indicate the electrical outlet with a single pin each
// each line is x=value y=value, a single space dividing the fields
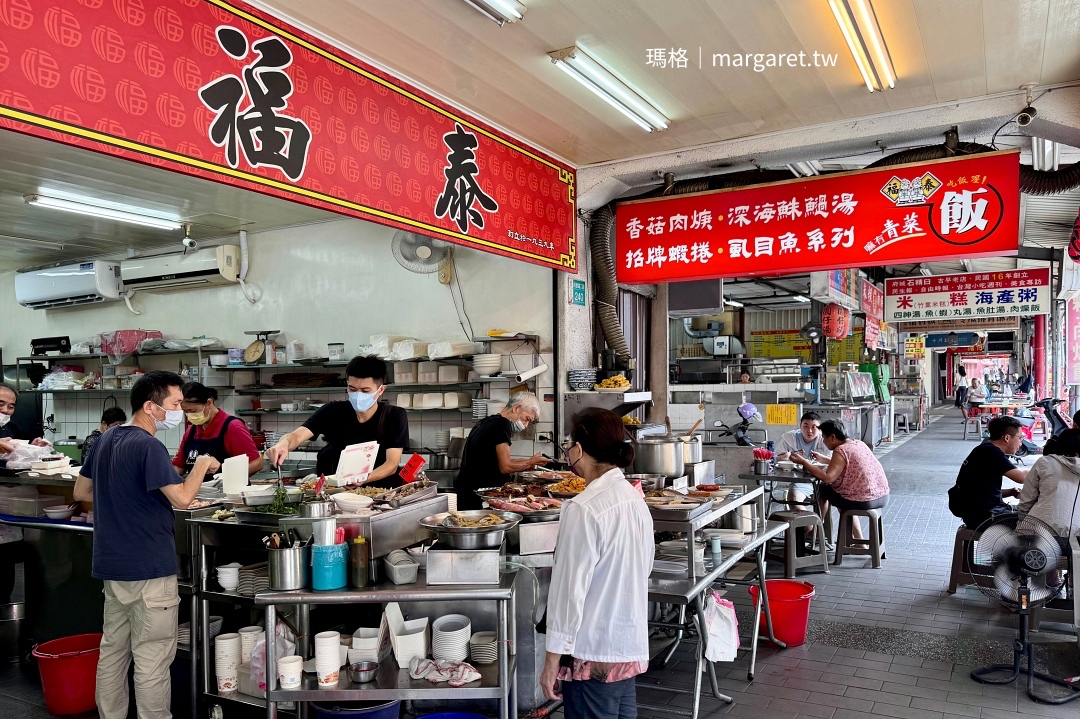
x=544 y=437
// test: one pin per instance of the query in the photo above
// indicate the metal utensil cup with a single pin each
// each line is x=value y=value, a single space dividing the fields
x=761 y=466
x=290 y=568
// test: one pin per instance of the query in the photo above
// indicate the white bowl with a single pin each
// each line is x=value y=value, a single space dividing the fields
x=59 y=512
x=348 y=502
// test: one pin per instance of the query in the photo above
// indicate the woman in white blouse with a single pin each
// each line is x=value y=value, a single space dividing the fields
x=597 y=633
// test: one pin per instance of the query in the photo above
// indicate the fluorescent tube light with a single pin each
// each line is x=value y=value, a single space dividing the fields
x=804 y=169
x=734 y=303
x=500 y=11
x=1045 y=154
x=800 y=298
x=859 y=24
x=108 y=213
x=576 y=63
x=925 y=271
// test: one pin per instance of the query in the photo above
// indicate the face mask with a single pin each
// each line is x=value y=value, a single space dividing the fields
x=572 y=464
x=362 y=401
x=173 y=418
x=197 y=418
x=4 y=419
x=518 y=426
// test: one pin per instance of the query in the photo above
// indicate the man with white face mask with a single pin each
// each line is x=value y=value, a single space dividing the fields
x=8 y=429
x=363 y=418
x=129 y=477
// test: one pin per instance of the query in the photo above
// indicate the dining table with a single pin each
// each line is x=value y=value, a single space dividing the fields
x=790 y=477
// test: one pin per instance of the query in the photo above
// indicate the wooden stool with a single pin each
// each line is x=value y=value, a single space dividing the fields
x=963 y=557
x=903 y=421
x=847 y=544
x=797 y=524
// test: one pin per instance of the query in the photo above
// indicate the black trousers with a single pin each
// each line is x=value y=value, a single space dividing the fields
x=11 y=553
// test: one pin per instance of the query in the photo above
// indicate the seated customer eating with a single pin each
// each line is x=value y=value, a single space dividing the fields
x=854 y=478
x=977 y=495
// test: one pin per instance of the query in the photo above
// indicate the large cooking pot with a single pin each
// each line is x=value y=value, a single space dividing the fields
x=691 y=448
x=659 y=455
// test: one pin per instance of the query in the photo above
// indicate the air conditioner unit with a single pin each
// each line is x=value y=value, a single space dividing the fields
x=1070 y=280
x=67 y=285
x=212 y=266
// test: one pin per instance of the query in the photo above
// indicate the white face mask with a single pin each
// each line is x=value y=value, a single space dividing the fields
x=4 y=419
x=173 y=418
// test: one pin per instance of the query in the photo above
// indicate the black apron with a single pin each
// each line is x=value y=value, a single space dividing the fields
x=215 y=446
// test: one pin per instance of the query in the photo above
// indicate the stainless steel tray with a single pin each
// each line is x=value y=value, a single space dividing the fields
x=430 y=490
x=679 y=514
x=263 y=499
x=246 y=516
x=527 y=517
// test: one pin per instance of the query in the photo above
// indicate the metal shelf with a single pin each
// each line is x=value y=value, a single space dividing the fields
x=234 y=367
x=394 y=683
x=519 y=338
x=474 y=384
x=102 y=355
x=239 y=698
x=298 y=390
x=463 y=410
x=264 y=413
x=229 y=597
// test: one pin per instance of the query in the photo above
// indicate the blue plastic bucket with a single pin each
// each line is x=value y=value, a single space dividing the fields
x=453 y=715
x=366 y=710
x=329 y=565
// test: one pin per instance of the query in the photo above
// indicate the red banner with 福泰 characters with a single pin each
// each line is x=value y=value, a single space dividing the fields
x=220 y=90
x=904 y=214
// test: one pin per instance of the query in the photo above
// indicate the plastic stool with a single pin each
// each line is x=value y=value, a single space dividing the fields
x=797 y=523
x=963 y=557
x=847 y=544
x=974 y=424
x=903 y=421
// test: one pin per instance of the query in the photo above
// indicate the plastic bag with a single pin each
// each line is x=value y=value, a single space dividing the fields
x=722 y=626
x=121 y=344
x=24 y=454
x=407 y=350
x=439 y=350
x=285 y=646
x=380 y=344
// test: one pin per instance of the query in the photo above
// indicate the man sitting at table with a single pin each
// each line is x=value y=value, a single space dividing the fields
x=978 y=393
x=977 y=495
x=807 y=441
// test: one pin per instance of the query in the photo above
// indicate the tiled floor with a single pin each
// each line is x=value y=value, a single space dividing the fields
x=886 y=642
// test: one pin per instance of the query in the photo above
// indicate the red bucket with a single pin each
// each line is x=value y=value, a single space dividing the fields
x=789 y=604
x=68 y=669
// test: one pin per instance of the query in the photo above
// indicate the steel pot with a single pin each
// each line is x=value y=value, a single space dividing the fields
x=314 y=510
x=691 y=448
x=442 y=461
x=659 y=455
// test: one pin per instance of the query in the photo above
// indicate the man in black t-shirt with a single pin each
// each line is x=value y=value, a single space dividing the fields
x=363 y=418
x=977 y=495
x=486 y=460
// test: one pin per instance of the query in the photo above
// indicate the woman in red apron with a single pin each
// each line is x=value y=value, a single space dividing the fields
x=212 y=431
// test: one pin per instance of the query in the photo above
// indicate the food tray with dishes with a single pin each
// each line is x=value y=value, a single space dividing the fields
x=531 y=507
x=251 y=516
x=266 y=497
x=667 y=504
x=543 y=476
x=409 y=493
x=568 y=488
x=485 y=528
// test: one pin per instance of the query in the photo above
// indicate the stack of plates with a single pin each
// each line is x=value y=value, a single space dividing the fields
x=486 y=365
x=253 y=579
x=670 y=569
x=479 y=408
x=183 y=631
x=442 y=440
x=483 y=649
x=582 y=378
x=450 y=637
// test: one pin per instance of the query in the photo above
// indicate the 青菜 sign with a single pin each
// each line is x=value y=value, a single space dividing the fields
x=968 y=296
x=903 y=214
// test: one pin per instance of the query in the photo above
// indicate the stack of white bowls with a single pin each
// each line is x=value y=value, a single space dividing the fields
x=327 y=658
x=486 y=365
x=227 y=661
x=249 y=637
x=483 y=648
x=450 y=637
x=442 y=440
x=228 y=576
x=479 y=408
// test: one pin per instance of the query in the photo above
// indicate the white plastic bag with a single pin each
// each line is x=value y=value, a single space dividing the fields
x=285 y=647
x=722 y=626
x=439 y=350
x=407 y=350
x=24 y=454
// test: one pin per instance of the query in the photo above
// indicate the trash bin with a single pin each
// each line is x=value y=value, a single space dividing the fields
x=11 y=623
x=789 y=604
x=357 y=710
x=68 y=670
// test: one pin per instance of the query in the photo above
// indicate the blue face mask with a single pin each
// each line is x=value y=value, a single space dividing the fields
x=362 y=401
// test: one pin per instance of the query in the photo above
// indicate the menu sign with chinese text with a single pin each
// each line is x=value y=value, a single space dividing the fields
x=220 y=90
x=903 y=214
x=836 y=286
x=873 y=300
x=975 y=323
x=777 y=344
x=1072 y=341
x=970 y=295
x=915 y=348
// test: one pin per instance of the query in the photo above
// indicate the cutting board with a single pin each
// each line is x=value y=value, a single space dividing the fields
x=234 y=474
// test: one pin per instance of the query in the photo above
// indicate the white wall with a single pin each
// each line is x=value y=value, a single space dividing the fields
x=329 y=282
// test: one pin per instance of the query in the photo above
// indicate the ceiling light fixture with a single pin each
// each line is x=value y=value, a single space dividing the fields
x=734 y=303
x=500 y=11
x=1045 y=154
x=27 y=241
x=800 y=298
x=579 y=65
x=805 y=169
x=925 y=271
x=858 y=22
x=108 y=213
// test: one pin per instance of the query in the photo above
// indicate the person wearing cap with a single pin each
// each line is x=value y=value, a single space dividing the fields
x=212 y=431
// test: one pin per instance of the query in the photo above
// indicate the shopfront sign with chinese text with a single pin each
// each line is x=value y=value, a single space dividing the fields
x=1072 y=341
x=958 y=207
x=777 y=344
x=873 y=300
x=975 y=323
x=974 y=294
x=850 y=349
x=839 y=287
x=914 y=348
x=221 y=90
x=952 y=340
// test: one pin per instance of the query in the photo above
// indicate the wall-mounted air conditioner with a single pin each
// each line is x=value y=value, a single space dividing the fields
x=79 y=284
x=212 y=266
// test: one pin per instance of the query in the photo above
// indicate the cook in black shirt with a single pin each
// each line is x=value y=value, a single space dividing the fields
x=486 y=460
x=363 y=418
x=977 y=495
x=8 y=429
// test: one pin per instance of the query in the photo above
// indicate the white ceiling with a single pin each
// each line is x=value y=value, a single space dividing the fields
x=32 y=165
x=942 y=51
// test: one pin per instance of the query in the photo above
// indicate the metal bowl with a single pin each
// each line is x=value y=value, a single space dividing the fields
x=317 y=509
x=362 y=672
x=471 y=537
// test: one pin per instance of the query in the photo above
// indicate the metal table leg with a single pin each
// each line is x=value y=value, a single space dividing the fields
x=504 y=654
x=271 y=659
x=678 y=638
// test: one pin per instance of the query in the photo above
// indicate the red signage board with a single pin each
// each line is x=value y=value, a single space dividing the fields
x=1072 y=341
x=222 y=91
x=873 y=300
x=966 y=207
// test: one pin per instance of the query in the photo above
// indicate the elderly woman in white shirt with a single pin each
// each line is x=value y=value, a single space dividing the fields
x=597 y=632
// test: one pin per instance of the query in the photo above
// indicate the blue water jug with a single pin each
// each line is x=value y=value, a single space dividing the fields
x=329 y=566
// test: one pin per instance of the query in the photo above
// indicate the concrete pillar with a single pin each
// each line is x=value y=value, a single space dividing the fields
x=657 y=360
x=1038 y=357
x=574 y=324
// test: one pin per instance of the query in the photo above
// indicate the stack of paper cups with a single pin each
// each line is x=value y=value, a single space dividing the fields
x=227 y=661
x=290 y=671
x=365 y=646
x=327 y=658
x=249 y=637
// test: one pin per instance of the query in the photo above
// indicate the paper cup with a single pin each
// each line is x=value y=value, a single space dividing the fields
x=329 y=679
x=290 y=671
x=228 y=683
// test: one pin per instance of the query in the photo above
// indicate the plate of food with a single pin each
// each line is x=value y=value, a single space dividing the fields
x=569 y=487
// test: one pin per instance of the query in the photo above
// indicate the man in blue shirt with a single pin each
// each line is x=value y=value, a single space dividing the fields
x=130 y=479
